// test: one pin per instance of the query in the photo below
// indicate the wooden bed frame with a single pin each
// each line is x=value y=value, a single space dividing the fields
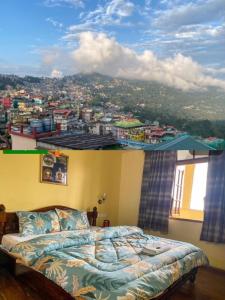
x=9 y=222
x=44 y=287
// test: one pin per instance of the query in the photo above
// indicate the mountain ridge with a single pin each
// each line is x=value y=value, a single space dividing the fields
x=154 y=96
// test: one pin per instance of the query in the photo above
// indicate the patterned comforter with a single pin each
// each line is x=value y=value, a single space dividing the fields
x=109 y=263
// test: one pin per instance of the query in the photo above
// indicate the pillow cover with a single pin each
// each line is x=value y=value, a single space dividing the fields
x=32 y=223
x=72 y=220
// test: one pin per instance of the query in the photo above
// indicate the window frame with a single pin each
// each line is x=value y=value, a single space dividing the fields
x=196 y=215
x=177 y=192
x=193 y=161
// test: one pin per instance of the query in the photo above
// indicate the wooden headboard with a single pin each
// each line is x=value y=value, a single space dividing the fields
x=9 y=222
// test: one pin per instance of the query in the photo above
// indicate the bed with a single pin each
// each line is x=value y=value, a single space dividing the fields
x=98 y=263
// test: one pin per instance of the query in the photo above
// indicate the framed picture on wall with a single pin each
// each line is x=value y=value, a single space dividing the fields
x=54 y=169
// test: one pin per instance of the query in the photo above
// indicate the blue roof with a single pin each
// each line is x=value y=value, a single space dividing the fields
x=185 y=142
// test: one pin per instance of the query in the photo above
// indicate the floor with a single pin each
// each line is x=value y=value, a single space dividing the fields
x=209 y=285
x=10 y=289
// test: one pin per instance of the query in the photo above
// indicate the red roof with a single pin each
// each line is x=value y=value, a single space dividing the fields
x=53 y=104
x=6 y=102
x=211 y=138
x=157 y=133
x=157 y=129
x=65 y=112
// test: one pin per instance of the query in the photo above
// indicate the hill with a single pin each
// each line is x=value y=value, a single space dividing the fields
x=156 y=99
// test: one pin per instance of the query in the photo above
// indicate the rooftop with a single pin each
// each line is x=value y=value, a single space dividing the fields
x=130 y=123
x=64 y=112
x=184 y=142
x=78 y=141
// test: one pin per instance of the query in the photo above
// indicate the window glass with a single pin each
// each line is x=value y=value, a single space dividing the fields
x=178 y=188
x=199 y=186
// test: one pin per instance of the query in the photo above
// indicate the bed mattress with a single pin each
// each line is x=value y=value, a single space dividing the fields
x=11 y=240
x=109 y=263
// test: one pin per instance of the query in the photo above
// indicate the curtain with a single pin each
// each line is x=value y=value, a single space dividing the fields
x=213 y=228
x=156 y=193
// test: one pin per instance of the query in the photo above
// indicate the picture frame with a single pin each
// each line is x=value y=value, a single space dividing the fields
x=54 y=169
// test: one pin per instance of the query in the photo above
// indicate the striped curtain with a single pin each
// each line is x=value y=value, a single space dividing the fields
x=156 y=194
x=213 y=228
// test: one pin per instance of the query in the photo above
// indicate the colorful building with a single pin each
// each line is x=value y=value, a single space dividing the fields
x=6 y=102
x=66 y=118
x=129 y=129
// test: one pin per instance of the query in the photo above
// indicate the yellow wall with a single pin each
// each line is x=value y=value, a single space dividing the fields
x=188 y=181
x=90 y=173
x=130 y=187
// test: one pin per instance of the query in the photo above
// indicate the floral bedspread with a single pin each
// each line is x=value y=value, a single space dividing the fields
x=109 y=263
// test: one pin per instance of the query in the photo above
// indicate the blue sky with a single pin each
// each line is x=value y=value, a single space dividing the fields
x=115 y=37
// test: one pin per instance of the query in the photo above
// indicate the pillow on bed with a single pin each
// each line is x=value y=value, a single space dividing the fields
x=72 y=220
x=32 y=223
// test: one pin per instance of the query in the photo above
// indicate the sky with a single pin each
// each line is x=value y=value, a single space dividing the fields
x=176 y=42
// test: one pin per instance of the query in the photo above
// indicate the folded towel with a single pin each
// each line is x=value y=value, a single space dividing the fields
x=154 y=250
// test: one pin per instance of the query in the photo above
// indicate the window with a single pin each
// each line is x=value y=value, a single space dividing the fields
x=189 y=190
x=199 y=186
x=178 y=189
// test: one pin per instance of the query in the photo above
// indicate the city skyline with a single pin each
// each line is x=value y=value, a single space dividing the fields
x=178 y=43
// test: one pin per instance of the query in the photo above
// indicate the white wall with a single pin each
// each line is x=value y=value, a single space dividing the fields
x=22 y=143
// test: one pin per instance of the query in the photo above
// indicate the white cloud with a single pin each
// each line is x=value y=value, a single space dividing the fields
x=70 y=37
x=200 y=31
x=57 y=58
x=99 y=53
x=120 y=8
x=56 y=73
x=112 y=13
x=55 y=23
x=190 y=13
x=80 y=27
x=146 y=10
x=216 y=71
x=53 y=3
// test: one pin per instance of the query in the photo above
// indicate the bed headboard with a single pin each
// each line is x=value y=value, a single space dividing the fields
x=9 y=222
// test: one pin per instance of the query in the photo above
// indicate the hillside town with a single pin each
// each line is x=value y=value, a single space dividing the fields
x=31 y=119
